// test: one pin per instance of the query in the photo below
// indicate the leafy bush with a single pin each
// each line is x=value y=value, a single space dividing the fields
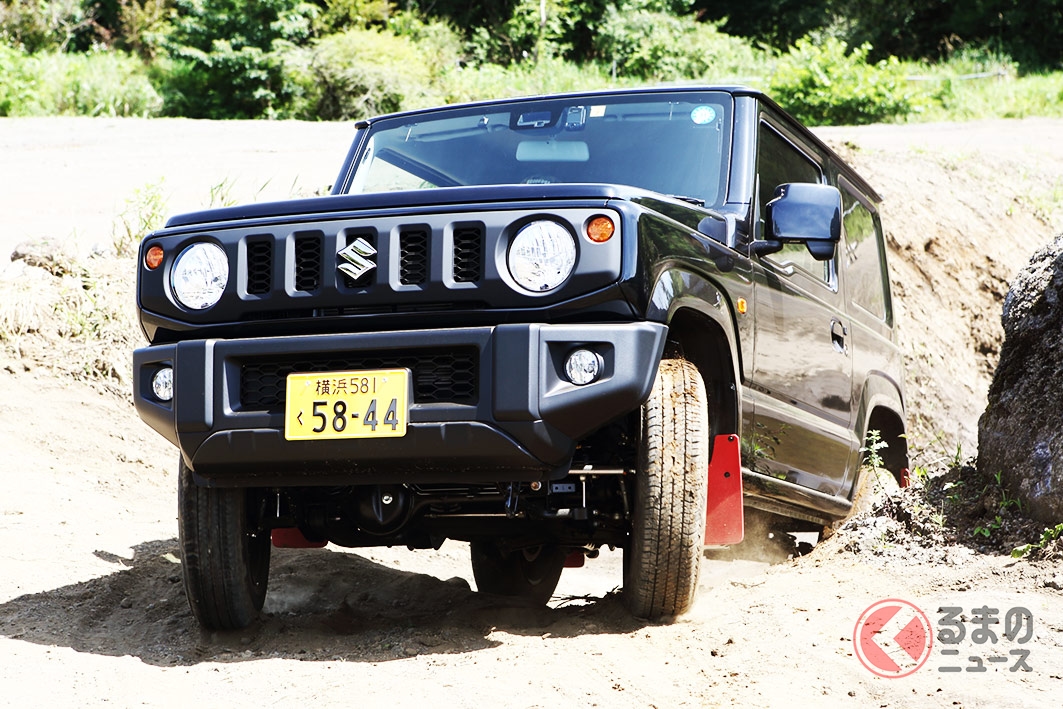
x=143 y=25
x=224 y=57
x=824 y=84
x=520 y=34
x=437 y=42
x=659 y=46
x=95 y=84
x=340 y=15
x=360 y=73
x=18 y=83
x=43 y=25
x=548 y=75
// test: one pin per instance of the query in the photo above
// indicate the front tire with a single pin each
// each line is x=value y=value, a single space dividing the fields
x=530 y=574
x=662 y=560
x=224 y=556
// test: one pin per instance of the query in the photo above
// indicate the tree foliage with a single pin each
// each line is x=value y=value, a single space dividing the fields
x=339 y=58
x=661 y=47
x=1031 y=31
x=225 y=56
x=823 y=84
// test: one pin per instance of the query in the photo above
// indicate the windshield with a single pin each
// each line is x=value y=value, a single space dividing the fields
x=675 y=143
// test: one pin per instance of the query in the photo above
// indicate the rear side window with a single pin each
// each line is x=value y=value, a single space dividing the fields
x=865 y=268
x=779 y=163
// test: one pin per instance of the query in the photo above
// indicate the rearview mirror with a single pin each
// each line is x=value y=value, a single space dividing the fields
x=803 y=213
x=552 y=151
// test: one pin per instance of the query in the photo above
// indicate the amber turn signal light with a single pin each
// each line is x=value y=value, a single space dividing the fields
x=153 y=258
x=600 y=229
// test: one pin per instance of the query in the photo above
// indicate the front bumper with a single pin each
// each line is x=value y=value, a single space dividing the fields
x=490 y=403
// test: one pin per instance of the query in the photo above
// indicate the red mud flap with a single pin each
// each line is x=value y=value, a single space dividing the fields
x=906 y=478
x=575 y=559
x=724 y=523
x=292 y=538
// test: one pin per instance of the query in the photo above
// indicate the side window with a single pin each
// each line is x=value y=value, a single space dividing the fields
x=779 y=162
x=865 y=273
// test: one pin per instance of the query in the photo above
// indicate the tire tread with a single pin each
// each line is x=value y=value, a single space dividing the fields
x=668 y=529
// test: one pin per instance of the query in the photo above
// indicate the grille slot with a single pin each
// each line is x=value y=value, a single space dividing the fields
x=259 y=266
x=468 y=255
x=439 y=376
x=413 y=257
x=308 y=260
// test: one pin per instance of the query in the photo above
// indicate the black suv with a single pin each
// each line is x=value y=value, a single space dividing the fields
x=540 y=325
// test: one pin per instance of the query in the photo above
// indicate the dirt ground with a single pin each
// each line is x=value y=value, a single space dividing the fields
x=91 y=606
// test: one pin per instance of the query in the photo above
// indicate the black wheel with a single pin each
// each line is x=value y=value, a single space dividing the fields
x=225 y=561
x=663 y=557
x=530 y=574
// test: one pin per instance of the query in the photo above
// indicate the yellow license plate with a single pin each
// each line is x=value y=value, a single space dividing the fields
x=371 y=403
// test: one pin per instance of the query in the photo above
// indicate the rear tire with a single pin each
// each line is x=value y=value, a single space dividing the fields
x=662 y=560
x=224 y=557
x=529 y=574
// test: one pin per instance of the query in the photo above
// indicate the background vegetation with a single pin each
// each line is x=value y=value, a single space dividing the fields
x=827 y=61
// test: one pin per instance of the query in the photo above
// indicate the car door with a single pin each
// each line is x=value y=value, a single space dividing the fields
x=877 y=361
x=802 y=369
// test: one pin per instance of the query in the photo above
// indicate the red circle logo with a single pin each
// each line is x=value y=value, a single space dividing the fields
x=893 y=638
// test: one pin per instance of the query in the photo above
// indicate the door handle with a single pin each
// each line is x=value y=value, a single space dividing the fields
x=838 y=333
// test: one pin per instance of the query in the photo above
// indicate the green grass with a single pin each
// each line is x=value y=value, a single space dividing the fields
x=58 y=84
x=1003 y=96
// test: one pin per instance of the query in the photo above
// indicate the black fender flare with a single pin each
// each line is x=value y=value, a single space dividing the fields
x=677 y=291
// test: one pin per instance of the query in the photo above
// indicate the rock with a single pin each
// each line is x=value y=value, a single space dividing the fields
x=58 y=258
x=1020 y=435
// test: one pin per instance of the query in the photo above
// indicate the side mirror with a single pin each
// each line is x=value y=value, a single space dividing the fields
x=808 y=214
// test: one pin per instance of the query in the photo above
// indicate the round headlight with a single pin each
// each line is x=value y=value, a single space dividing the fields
x=200 y=275
x=542 y=256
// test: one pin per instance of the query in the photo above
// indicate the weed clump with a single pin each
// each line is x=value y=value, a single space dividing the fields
x=953 y=505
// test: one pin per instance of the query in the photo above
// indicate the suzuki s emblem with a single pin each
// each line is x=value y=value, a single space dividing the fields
x=357 y=254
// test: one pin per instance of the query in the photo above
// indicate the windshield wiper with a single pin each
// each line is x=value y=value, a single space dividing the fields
x=692 y=200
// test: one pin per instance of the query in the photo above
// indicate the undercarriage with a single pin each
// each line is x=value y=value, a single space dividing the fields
x=589 y=508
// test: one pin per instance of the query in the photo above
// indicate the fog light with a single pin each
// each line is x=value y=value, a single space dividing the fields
x=583 y=367
x=162 y=384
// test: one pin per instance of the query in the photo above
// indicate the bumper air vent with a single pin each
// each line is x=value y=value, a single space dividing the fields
x=439 y=376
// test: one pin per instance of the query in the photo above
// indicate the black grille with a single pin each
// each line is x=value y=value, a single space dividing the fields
x=439 y=376
x=259 y=266
x=308 y=260
x=468 y=250
x=413 y=257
